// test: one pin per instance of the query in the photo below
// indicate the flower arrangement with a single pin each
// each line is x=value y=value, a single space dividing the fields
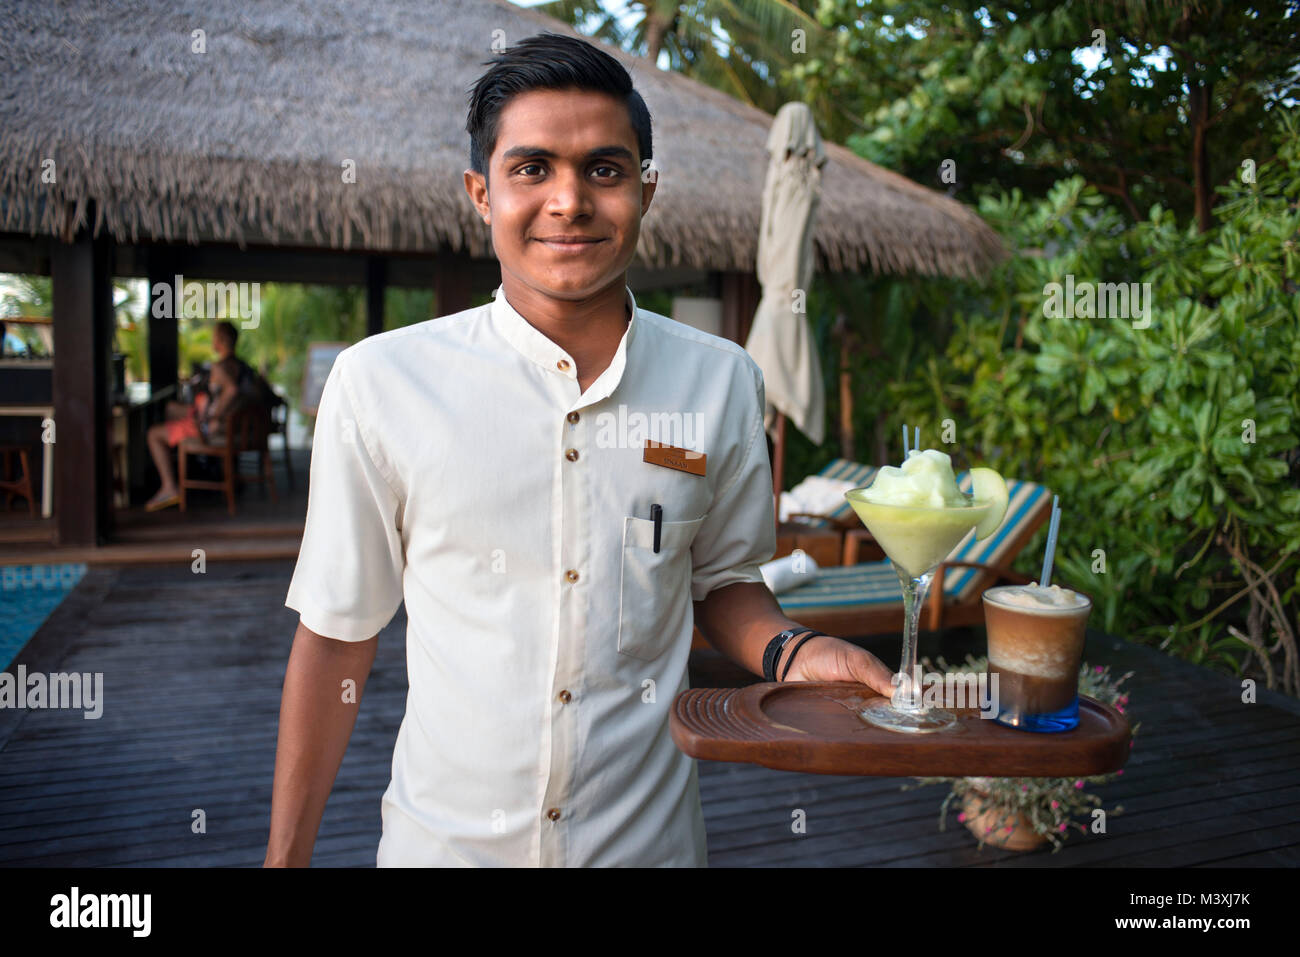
x=1040 y=809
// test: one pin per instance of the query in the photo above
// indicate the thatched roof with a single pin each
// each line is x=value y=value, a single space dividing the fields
x=246 y=141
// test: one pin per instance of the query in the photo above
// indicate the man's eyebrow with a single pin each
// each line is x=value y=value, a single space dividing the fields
x=540 y=152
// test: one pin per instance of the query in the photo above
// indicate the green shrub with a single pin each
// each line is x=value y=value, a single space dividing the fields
x=1173 y=447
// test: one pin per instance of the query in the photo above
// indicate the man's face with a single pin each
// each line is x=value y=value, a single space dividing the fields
x=565 y=166
x=220 y=345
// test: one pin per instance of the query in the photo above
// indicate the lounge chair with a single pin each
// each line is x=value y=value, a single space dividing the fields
x=827 y=537
x=865 y=599
x=843 y=517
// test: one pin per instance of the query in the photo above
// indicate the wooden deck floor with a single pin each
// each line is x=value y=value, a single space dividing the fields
x=192 y=668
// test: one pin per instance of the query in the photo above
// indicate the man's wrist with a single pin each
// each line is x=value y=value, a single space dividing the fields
x=803 y=650
x=796 y=652
x=777 y=648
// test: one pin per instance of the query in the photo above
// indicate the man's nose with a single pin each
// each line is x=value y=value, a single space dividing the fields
x=570 y=194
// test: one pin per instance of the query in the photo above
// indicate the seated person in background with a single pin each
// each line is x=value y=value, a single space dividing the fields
x=230 y=379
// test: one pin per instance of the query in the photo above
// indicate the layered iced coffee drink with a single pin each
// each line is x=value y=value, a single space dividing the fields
x=1035 y=646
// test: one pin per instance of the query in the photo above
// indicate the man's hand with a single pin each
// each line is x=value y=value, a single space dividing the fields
x=823 y=658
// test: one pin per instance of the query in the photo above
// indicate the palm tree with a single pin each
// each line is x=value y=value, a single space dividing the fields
x=737 y=46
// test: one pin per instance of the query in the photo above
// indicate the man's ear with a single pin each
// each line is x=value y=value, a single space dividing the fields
x=647 y=193
x=476 y=186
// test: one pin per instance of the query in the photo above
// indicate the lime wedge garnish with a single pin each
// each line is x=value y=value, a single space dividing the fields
x=988 y=486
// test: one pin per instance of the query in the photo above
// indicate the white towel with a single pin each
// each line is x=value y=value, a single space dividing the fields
x=785 y=574
x=816 y=495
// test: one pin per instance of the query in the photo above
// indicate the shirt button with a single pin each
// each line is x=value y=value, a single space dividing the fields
x=553 y=814
x=565 y=697
x=572 y=417
x=562 y=365
x=571 y=455
x=571 y=575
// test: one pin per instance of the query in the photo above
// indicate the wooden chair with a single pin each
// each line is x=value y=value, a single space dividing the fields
x=246 y=430
x=280 y=426
x=21 y=484
x=864 y=598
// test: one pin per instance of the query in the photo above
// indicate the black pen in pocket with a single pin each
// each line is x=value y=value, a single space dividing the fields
x=657 y=516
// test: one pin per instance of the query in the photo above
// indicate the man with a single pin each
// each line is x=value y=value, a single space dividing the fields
x=476 y=465
x=230 y=378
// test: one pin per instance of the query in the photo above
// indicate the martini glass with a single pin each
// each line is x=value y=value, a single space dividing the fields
x=916 y=539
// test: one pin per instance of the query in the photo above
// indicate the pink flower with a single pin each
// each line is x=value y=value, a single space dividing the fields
x=962 y=817
x=1120 y=771
x=987 y=829
x=1119 y=708
x=1062 y=827
x=1098 y=669
x=1024 y=787
x=1009 y=829
x=1055 y=805
x=1078 y=785
x=1082 y=829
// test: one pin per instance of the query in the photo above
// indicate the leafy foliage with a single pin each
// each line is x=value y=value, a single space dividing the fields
x=1173 y=446
x=1149 y=102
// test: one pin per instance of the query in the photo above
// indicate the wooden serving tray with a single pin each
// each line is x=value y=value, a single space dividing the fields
x=813 y=727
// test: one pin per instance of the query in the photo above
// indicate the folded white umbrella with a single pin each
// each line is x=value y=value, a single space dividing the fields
x=780 y=340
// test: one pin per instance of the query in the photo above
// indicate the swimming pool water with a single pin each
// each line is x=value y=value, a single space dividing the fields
x=28 y=593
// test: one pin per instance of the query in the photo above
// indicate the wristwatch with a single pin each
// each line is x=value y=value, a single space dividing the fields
x=773 y=651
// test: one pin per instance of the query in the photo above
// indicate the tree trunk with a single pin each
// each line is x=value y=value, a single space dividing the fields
x=847 y=445
x=1199 y=103
x=656 y=29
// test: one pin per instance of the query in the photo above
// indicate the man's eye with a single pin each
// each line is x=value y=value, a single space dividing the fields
x=524 y=169
x=613 y=169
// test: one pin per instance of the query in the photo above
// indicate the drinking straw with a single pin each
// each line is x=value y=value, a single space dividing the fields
x=904 y=441
x=1046 y=578
x=916 y=442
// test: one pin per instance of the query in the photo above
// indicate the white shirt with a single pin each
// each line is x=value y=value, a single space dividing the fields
x=456 y=465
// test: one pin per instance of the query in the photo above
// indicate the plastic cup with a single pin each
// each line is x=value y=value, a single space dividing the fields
x=1035 y=651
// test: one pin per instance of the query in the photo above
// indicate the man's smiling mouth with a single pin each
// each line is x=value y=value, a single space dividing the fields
x=574 y=243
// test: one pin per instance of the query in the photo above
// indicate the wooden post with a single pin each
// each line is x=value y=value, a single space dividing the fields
x=740 y=295
x=164 y=331
x=451 y=282
x=376 y=283
x=82 y=380
x=778 y=465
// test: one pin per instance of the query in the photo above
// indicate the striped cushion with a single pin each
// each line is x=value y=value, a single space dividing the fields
x=867 y=585
x=860 y=475
x=1025 y=500
x=875 y=584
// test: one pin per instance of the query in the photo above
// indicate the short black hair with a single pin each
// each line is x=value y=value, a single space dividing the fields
x=547 y=61
x=228 y=330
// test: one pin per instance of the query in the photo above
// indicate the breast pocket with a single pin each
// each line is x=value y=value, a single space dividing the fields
x=655 y=587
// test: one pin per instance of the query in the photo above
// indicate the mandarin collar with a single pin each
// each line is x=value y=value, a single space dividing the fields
x=533 y=345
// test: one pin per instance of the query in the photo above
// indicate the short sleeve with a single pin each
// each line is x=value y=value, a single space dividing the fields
x=348 y=580
x=739 y=532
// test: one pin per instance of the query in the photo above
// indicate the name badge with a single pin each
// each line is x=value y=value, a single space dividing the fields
x=669 y=456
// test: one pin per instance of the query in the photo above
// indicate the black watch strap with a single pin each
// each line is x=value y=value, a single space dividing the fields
x=773 y=651
x=795 y=650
